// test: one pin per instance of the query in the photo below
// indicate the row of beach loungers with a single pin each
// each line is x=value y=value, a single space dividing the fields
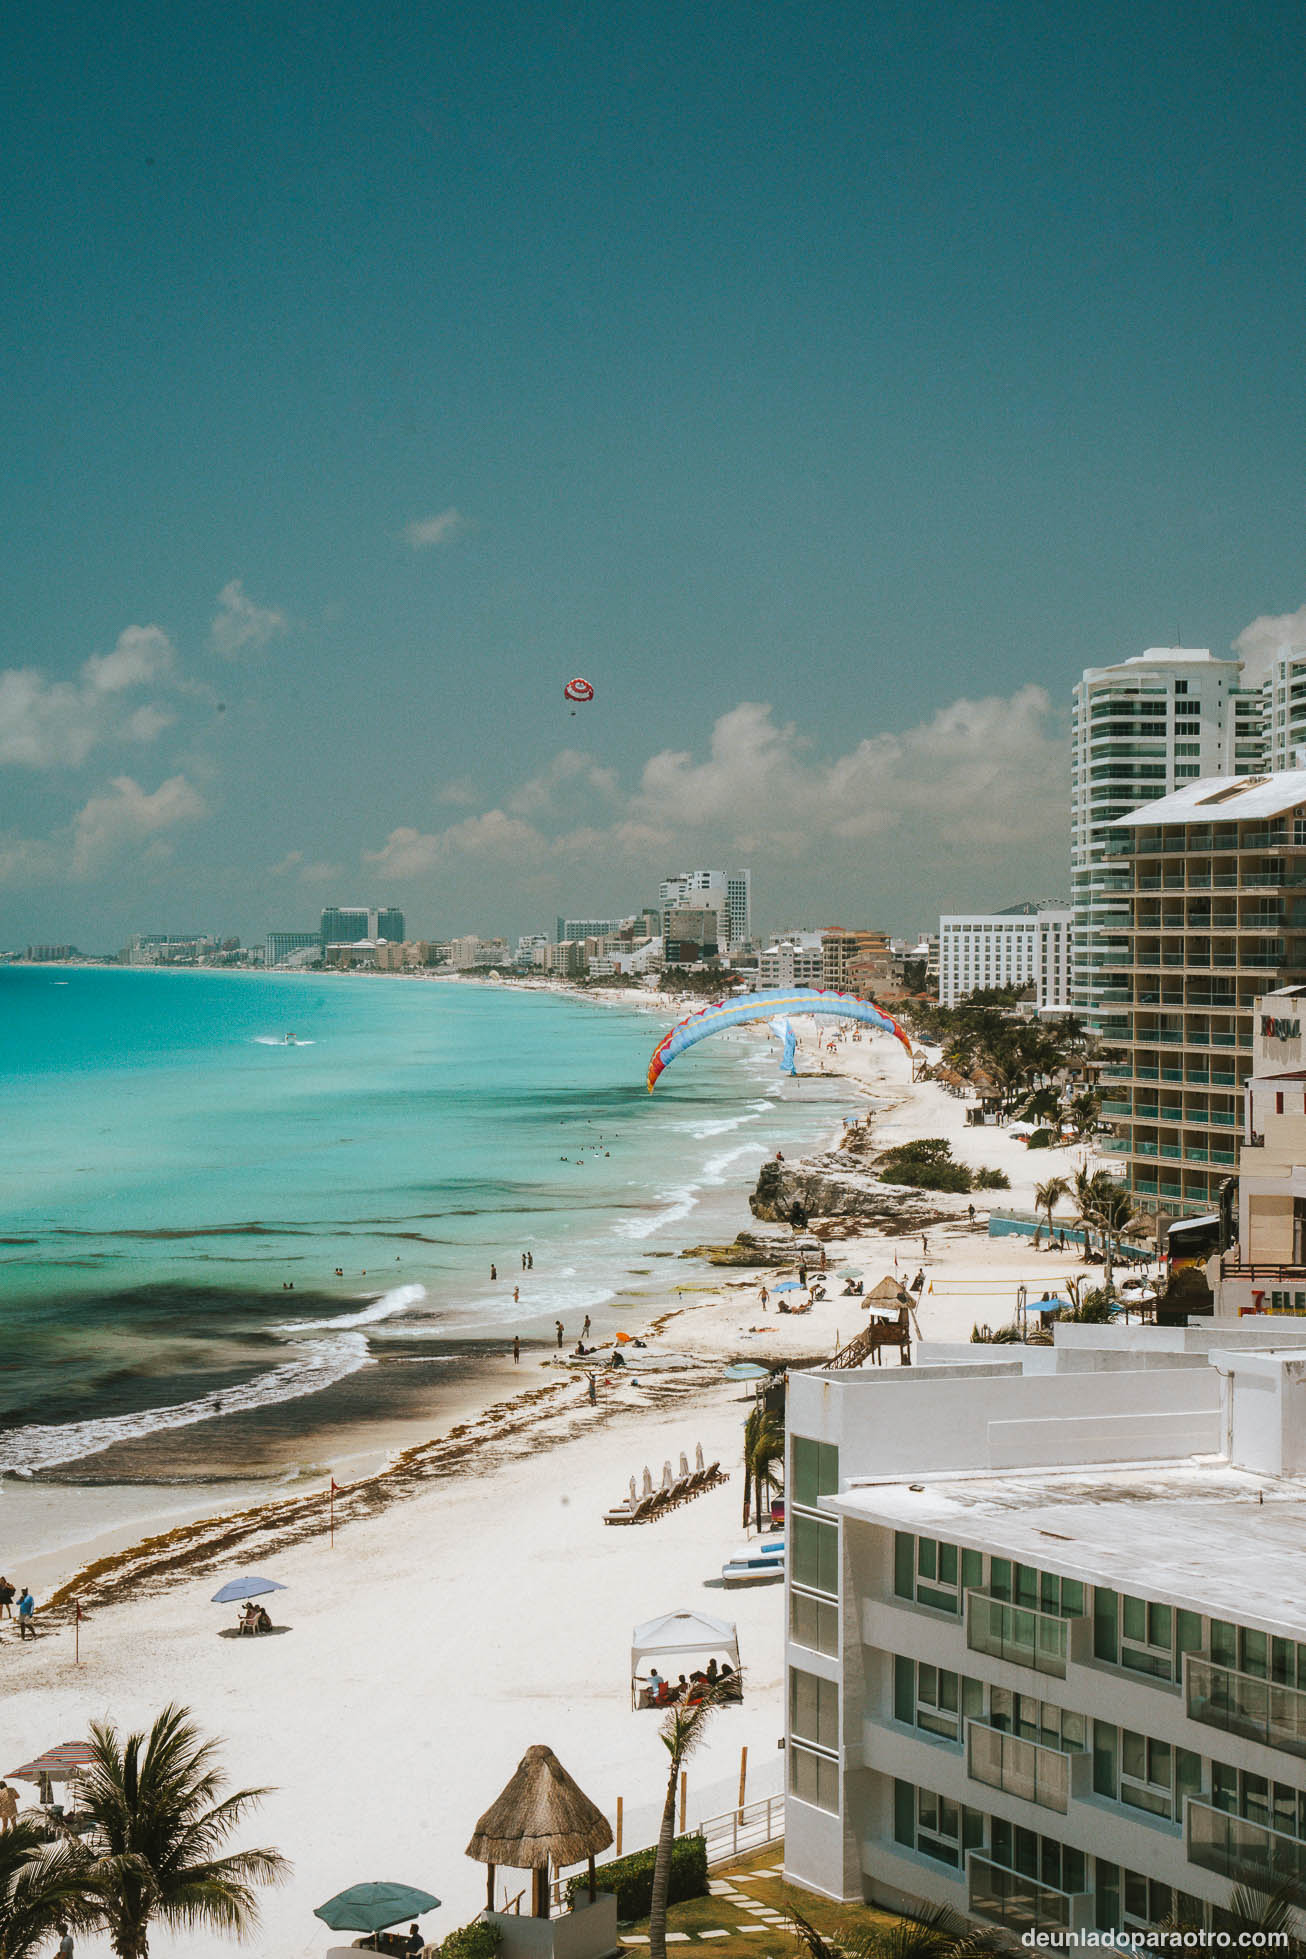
x=643 y=1508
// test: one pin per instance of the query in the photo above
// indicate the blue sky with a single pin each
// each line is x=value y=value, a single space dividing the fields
x=821 y=381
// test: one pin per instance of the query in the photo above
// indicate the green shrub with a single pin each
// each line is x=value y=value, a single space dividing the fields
x=475 y=1941
x=990 y=1180
x=632 y=1879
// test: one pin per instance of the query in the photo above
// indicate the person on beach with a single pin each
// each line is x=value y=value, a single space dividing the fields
x=594 y=1390
x=523 y=1261
x=970 y=1212
x=558 y=1324
x=8 y=1808
x=65 y=1945
x=414 y=1942
x=585 y=1330
x=516 y=1295
x=530 y=1261
x=494 y=1272
x=6 y=1598
x=516 y=1348
x=765 y=1295
x=26 y=1610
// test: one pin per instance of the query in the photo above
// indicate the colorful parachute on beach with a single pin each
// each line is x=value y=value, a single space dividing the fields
x=765 y=1006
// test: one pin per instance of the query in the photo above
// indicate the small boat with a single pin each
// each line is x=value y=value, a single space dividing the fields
x=755 y=1563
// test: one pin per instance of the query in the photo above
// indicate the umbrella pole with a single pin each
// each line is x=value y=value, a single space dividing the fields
x=489 y=1887
x=591 y=1876
x=539 y=1893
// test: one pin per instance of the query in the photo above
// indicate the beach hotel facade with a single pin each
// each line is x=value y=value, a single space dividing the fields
x=1212 y=885
x=1025 y=945
x=1052 y=1673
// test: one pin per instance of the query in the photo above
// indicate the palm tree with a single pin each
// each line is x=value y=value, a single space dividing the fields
x=681 y=1733
x=42 y=1887
x=1047 y=1196
x=1085 y=1111
x=934 y=1933
x=160 y=1820
x=1115 y=1215
x=767 y=1450
x=1043 y=1106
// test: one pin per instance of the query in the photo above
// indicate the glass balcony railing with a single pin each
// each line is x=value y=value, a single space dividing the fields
x=1245 y=1852
x=1017 y=1633
x=1240 y=1704
x=1017 y=1767
x=1010 y=1898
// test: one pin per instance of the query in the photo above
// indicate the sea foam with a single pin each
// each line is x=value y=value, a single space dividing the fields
x=383 y=1308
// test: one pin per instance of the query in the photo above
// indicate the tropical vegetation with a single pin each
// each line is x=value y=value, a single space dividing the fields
x=927 y=1163
x=683 y=1731
x=764 y=1454
x=154 y=1853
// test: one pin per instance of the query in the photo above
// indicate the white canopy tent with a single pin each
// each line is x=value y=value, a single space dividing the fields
x=681 y=1632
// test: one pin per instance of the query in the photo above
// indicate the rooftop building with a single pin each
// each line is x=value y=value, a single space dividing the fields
x=1025 y=945
x=1047 y=1627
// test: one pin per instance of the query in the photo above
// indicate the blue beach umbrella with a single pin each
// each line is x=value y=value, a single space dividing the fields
x=787 y=1285
x=747 y=1370
x=251 y=1586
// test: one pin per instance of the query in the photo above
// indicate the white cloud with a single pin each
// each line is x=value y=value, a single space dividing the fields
x=981 y=784
x=322 y=873
x=1257 y=643
x=286 y=864
x=126 y=815
x=56 y=723
x=239 y=623
x=443 y=528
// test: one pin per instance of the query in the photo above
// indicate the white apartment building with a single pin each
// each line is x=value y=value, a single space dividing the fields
x=1046 y=1627
x=1284 y=710
x=1026 y=945
x=726 y=892
x=795 y=961
x=1141 y=729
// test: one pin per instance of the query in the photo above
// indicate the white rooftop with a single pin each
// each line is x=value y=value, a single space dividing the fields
x=1222 y=798
x=1194 y=1533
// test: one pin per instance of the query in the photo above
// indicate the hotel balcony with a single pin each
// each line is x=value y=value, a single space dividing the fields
x=1240 y=1850
x=1242 y=1704
x=1018 y=1634
x=1019 y=1768
x=1021 y=1903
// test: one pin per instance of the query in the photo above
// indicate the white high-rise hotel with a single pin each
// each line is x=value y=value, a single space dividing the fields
x=1139 y=730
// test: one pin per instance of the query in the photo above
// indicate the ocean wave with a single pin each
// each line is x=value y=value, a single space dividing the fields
x=678 y=1205
x=716 y=1166
x=317 y=1365
x=280 y=1041
x=383 y=1308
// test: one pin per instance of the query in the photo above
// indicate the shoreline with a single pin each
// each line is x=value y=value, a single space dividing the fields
x=483 y=1434
x=491 y=1430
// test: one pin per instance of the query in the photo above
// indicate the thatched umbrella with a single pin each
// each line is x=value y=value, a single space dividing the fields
x=889 y=1292
x=541 y=1818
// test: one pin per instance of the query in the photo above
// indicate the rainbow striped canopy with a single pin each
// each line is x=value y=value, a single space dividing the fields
x=765 y=1006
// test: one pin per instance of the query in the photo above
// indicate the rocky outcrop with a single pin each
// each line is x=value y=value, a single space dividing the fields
x=838 y=1185
x=751 y=1248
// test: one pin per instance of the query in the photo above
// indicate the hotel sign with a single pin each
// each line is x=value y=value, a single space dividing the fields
x=1279 y=1030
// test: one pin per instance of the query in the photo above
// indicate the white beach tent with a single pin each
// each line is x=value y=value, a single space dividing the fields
x=681 y=1632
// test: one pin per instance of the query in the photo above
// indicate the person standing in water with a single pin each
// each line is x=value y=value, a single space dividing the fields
x=516 y=1348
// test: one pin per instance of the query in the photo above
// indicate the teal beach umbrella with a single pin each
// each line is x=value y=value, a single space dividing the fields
x=371 y=1907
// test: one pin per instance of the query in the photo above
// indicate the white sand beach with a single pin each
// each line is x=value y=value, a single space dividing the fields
x=492 y=1608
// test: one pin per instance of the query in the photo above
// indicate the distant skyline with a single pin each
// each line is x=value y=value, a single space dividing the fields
x=828 y=385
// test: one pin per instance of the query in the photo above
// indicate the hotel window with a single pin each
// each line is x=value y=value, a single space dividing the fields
x=934 y=1699
x=1030 y=1719
x=816 y=1470
x=1145 y=1774
x=933 y=1573
x=816 y=1555
x=1037 y=1591
x=1143 y=1636
x=814 y=1721
x=934 y=1826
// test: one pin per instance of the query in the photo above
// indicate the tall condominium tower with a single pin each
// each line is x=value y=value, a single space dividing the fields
x=1283 y=693
x=727 y=892
x=346 y=924
x=1139 y=730
x=1212 y=879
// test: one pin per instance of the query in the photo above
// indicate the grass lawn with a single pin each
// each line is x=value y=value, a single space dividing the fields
x=748 y=1934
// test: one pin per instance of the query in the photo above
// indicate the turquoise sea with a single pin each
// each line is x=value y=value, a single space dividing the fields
x=171 y=1166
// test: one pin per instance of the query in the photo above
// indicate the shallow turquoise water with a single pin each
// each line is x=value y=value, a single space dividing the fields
x=169 y=1167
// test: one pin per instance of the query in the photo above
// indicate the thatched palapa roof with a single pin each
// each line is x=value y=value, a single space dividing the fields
x=889 y=1292
x=542 y=1817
